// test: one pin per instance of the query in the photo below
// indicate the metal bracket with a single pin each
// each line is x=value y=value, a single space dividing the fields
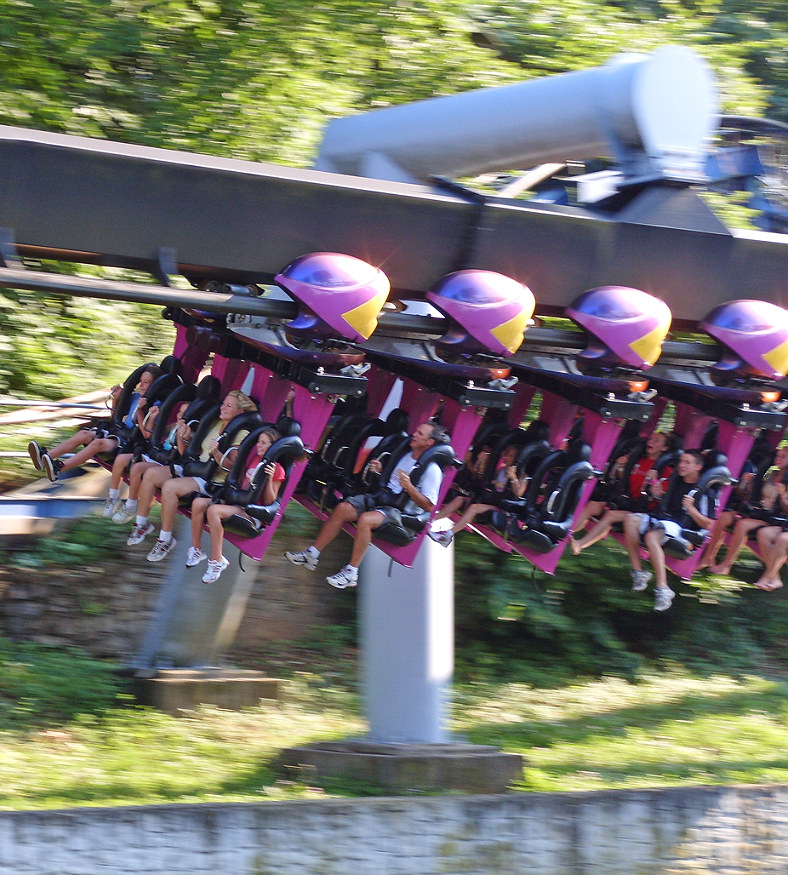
x=480 y=396
x=9 y=257
x=166 y=265
x=335 y=384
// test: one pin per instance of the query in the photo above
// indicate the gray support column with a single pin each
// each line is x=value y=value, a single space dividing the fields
x=407 y=645
x=194 y=623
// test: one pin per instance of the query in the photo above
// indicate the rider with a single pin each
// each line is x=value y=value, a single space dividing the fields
x=370 y=510
x=680 y=508
x=207 y=509
x=155 y=473
x=96 y=440
x=174 y=487
x=644 y=487
x=505 y=477
x=765 y=523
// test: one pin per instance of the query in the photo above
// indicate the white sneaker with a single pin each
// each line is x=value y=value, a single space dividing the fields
x=303 y=558
x=194 y=557
x=663 y=598
x=161 y=550
x=640 y=580
x=344 y=579
x=215 y=568
x=123 y=515
x=138 y=534
x=111 y=506
x=444 y=537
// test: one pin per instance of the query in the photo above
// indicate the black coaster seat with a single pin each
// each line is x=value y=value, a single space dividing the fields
x=545 y=517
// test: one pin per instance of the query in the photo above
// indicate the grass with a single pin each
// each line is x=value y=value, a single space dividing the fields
x=667 y=729
x=70 y=734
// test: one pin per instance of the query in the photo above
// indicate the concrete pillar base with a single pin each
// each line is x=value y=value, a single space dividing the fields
x=469 y=768
x=177 y=690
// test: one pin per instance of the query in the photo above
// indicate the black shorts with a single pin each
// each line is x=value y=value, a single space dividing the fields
x=364 y=502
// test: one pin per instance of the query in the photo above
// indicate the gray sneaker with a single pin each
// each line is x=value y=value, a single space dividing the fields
x=443 y=537
x=161 y=550
x=663 y=598
x=124 y=515
x=194 y=557
x=303 y=558
x=640 y=580
x=111 y=505
x=138 y=534
x=344 y=579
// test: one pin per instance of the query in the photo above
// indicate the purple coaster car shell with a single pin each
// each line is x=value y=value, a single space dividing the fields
x=754 y=335
x=626 y=326
x=487 y=312
x=340 y=295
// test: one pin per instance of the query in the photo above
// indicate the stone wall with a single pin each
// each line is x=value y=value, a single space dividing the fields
x=106 y=608
x=683 y=831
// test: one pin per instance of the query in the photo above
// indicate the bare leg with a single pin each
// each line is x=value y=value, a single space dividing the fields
x=367 y=523
x=653 y=542
x=151 y=481
x=200 y=507
x=122 y=461
x=632 y=539
x=451 y=507
x=216 y=514
x=725 y=519
x=83 y=437
x=741 y=532
x=470 y=515
x=100 y=445
x=138 y=469
x=172 y=490
x=767 y=538
x=774 y=561
x=599 y=531
x=592 y=509
x=342 y=513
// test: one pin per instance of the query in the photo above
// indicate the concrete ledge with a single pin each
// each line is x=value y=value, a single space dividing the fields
x=178 y=690
x=401 y=767
x=682 y=831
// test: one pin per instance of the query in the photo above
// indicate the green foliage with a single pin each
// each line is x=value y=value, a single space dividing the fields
x=43 y=686
x=92 y=539
x=252 y=80
x=54 y=348
x=742 y=50
x=667 y=729
x=585 y=620
x=260 y=79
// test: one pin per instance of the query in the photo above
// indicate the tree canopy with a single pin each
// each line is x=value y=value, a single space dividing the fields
x=259 y=79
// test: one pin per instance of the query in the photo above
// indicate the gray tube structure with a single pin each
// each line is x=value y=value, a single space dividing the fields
x=653 y=113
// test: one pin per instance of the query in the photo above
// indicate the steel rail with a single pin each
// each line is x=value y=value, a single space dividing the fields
x=554 y=341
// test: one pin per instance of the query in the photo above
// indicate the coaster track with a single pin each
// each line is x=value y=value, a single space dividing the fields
x=166 y=212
